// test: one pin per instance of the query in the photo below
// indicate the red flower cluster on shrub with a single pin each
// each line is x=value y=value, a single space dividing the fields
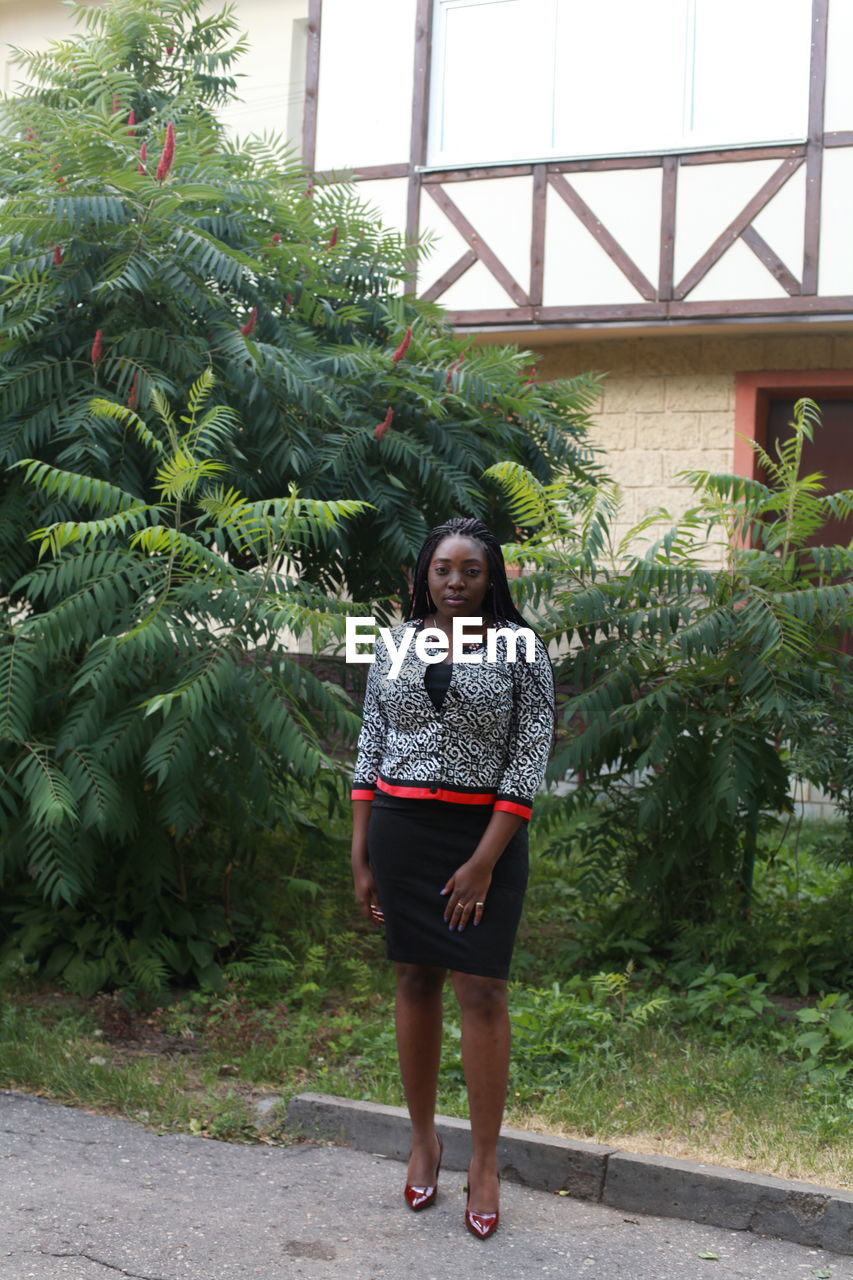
x=97 y=347
x=454 y=368
x=248 y=328
x=379 y=431
x=57 y=256
x=403 y=347
x=168 y=153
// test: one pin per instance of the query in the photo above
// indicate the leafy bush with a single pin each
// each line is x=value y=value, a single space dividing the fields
x=684 y=687
x=794 y=938
x=150 y=695
x=827 y=1042
x=732 y=1008
x=139 y=246
x=555 y=1029
x=154 y=732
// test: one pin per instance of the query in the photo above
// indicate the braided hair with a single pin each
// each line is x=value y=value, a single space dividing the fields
x=498 y=601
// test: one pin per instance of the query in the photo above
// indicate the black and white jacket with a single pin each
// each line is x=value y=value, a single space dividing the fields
x=466 y=752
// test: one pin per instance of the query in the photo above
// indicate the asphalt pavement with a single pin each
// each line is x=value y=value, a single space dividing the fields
x=88 y=1197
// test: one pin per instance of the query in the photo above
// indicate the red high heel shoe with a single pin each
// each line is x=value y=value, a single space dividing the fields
x=481 y=1225
x=422 y=1197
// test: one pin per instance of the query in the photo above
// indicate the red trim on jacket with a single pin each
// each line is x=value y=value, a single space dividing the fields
x=435 y=793
x=509 y=806
x=444 y=793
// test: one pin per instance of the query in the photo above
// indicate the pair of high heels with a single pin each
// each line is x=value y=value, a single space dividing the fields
x=418 y=1198
x=481 y=1225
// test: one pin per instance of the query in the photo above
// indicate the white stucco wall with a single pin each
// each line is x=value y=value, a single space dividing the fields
x=365 y=96
x=838 y=102
x=271 y=88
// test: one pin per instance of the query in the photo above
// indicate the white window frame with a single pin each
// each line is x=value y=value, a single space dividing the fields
x=547 y=149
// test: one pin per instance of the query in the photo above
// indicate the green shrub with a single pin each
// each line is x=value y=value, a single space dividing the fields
x=684 y=687
x=827 y=1043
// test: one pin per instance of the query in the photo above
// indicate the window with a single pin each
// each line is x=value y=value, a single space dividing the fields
x=829 y=453
x=542 y=79
x=764 y=404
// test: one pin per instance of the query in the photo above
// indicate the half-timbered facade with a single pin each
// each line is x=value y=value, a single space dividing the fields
x=661 y=190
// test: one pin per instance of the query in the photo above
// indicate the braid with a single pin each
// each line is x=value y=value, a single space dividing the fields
x=498 y=598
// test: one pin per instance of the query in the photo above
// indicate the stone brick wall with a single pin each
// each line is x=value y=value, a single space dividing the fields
x=668 y=402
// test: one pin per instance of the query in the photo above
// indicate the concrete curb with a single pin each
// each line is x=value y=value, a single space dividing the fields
x=796 y=1211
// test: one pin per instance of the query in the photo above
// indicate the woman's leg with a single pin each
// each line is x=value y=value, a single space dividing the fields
x=485 y=1058
x=419 y=988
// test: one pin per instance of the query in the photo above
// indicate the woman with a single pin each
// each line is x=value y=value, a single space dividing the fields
x=450 y=757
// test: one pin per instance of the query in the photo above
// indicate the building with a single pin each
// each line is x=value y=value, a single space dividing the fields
x=660 y=190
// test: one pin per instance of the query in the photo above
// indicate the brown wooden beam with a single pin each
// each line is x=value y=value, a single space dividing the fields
x=771 y=260
x=608 y=243
x=604 y=163
x=814 y=147
x=669 y=186
x=838 y=138
x=537 y=237
x=451 y=275
x=507 y=315
x=764 y=307
x=728 y=155
x=472 y=173
x=724 y=241
x=420 y=128
x=476 y=242
x=375 y=172
x=367 y=173
x=312 y=84
x=605 y=311
x=441 y=176
x=780 y=309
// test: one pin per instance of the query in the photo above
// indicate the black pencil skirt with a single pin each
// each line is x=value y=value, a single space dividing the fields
x=414 y=847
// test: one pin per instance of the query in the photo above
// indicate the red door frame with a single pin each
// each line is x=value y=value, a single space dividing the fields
x=753 y=392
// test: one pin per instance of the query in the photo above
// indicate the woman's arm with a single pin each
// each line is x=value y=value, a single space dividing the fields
x=362 y=876
x=522 y=775
x=371 y=739
x=371 y=747
x=530 y=742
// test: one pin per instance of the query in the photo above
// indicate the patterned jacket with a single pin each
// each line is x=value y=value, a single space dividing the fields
x=487 y=745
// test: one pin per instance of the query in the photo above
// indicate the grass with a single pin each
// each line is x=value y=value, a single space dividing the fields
x=663 y=1091
x=677 y=1057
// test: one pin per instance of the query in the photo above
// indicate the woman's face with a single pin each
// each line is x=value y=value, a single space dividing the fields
x=458 y=578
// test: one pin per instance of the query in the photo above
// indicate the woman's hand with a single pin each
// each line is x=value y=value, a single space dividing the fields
x=365 y=893
x=467 y=888
x=466 y=893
